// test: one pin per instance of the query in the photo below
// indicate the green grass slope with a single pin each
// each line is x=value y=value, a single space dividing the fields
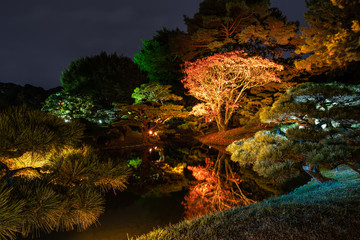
x=314 y=211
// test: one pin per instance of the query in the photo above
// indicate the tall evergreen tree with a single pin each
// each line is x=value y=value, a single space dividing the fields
x=227 y=25
x=104 y=78
x=157 y=58
x=333 y=38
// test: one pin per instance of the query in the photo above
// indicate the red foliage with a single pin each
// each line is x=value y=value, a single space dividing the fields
x=219 y=81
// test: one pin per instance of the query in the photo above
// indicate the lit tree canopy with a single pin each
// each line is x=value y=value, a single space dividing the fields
x=149 y=118
x=158 y=59
x=65 y=195
x=154 y=92
x=271 y=155
x=227 y=25
x=46 y=182
x=333 y=105
x=34 y=141
x=152 y=109
x=325 y=119
x=72 y=106
x=333 y=38
x=24 y=130
x=220 y=82
x=319 y=128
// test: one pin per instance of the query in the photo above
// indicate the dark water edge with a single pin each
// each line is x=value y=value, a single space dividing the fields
x=128 y=215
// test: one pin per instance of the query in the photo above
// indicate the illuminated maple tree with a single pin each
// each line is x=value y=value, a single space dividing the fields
x=220 y=82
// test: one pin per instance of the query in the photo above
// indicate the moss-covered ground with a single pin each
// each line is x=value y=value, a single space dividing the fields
x=229 y=136
x=314 y=211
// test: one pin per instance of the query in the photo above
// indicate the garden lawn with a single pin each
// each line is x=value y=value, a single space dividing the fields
x=314 y=211
x=228 y=137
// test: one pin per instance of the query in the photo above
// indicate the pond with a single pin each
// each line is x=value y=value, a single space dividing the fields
x=173 y=181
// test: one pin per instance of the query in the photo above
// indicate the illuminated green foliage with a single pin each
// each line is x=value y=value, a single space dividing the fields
x=152 y=109
x=69 y=107
x=154 y=92
x=149 y=118
x=135 y=163
x=157 y=58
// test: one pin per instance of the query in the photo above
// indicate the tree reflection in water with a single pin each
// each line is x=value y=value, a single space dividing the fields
x=216 y=188
x=157 y=174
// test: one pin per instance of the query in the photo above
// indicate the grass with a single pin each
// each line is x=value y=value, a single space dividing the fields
x=228 y=137
x=314 y=211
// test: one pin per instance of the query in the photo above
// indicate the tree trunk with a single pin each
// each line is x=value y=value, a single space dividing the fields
x=221 y=125
x=353 y=167
x=317 y=176
x=145 y=134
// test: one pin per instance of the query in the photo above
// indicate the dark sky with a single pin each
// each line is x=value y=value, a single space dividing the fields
x=40 y=38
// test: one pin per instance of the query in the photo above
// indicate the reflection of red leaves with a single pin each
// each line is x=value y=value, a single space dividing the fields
x=208 y=194
x=202 y=174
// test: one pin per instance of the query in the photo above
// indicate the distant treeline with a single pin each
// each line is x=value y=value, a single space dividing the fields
x=15 y=95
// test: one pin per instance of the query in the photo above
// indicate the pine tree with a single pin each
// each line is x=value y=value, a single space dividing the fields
x=318 y=127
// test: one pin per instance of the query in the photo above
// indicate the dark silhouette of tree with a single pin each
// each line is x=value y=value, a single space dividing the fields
x=106 y=79
x=16 y=95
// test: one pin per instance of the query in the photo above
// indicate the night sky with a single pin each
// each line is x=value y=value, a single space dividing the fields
x=40 y=38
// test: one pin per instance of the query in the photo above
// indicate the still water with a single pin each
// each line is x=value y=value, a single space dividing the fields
x=173 y=181
x=129 y=215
